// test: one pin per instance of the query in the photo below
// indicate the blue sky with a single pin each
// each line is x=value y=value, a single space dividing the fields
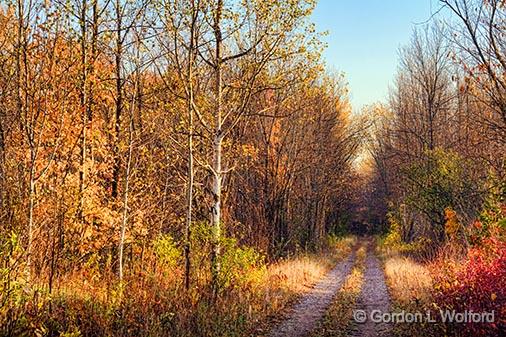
x=364 y=38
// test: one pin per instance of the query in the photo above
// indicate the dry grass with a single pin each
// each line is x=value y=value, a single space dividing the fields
x=287 y=280
x=300 y=273
x=408 y=280
x=341 y=247
x=297 y=274
x=410 y=286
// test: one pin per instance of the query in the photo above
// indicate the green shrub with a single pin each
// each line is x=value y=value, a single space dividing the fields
x=167 y=250
x=392 y=242
x=443 y=180
x=240 y=265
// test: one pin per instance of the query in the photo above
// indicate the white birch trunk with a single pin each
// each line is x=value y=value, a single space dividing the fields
x=217 y=155
x=125 y=201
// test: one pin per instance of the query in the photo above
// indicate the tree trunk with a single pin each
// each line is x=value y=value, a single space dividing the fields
x=189 y=188
x=217 y=154
x=31 y=205
x=125 y=198
x=119 y=100
x=84 y=109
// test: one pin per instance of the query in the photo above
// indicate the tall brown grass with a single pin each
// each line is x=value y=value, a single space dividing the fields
x=408 y=280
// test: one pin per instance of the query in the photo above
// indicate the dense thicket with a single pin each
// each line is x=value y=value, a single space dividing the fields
x=122 y=121
x=438 y=146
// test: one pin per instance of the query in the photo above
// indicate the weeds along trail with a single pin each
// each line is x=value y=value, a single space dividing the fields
x=310 y=309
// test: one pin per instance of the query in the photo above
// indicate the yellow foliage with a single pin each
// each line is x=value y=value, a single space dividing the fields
x=451 y=225
x=249 y=150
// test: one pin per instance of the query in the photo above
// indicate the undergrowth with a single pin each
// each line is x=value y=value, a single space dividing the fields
x=152 y=300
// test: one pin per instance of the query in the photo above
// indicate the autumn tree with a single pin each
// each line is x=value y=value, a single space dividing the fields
x=479 y=40
x=243 y=40
x=428 y=149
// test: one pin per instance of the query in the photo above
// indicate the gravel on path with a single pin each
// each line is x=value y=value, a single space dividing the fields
x=310 y=309
x=374 y=296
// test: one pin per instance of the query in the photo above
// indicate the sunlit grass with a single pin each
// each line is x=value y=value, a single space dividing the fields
x=410 y=286
x=287 y=280
x=407 y=279
x=296 y=274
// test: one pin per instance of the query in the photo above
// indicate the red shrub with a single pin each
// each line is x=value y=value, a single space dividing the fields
x=478 y=286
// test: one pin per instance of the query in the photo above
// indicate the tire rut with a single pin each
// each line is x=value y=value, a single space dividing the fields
x=311 y=308
x=374 y=296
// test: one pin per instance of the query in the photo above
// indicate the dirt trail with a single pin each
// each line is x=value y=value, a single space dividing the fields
x=374 y=296
x=310 y=309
